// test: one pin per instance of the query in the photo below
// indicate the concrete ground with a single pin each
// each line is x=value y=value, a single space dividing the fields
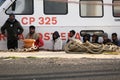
x=60 y=54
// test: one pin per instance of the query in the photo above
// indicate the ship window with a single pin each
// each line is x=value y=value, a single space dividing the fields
x=116 y=8
x=91 y=8
x=55 y=7
x=21 y=7
x=1 y=2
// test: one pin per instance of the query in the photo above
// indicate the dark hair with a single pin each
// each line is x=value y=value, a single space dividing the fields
x=57 y=35
x=11 y=15
x=105 y=35
x=72 y=31
x=96 y=38
x=32 y=27
x=114 y=34
x=88 y=37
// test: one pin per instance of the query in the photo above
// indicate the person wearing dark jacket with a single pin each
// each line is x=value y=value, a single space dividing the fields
x=115 y=39
x=13 y=28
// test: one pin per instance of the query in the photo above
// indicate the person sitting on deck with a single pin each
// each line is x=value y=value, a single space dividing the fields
x=95 y=38
x=56 y=41
x=115 y=39
x=106 y=40
x=86 y=37
x=71 y=35
x=33 y=35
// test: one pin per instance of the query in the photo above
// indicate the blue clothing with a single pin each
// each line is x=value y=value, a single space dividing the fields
x=117 y=42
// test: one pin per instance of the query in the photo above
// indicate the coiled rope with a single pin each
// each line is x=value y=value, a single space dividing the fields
x=76 y=45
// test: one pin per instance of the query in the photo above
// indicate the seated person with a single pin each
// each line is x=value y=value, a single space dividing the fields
x=33 y=35
x=56 y=41
x=95 y=38
x=106 y=40
x=86 y=37
x=71 y=35
x=115 y=39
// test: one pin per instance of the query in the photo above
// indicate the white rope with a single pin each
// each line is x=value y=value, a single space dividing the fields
x=77 y=46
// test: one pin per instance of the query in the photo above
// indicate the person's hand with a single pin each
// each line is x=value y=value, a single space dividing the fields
x=3 y=36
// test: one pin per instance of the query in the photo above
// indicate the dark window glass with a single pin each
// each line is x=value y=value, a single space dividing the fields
x=55 y=7
x=1 y=2
x=21 y=7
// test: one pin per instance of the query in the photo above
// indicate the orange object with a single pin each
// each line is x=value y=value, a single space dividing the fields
x=28 y=43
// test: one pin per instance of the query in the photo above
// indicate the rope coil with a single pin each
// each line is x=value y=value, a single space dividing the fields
x=76 y=45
